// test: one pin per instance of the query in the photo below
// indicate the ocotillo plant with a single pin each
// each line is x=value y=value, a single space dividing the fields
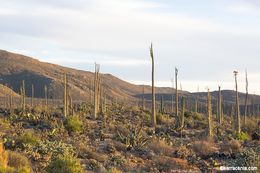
x=219 y=110
x=182 y=111
x=97 y=90
x=143 y=100
x=210 y=128
x=65 y=96
x=32 y=97
x=153 y=90
x=238 y=128
x=176 y=92
x=246 y=99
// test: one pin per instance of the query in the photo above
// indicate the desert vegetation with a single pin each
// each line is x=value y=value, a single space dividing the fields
x=114 y=135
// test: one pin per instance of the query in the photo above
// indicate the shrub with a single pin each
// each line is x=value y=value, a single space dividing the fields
x=231 y=146
x=160 y=147
x=242 y=136
x=28 y=138
x=114 y=170
x=3 y=156
x=18 y=161
x=74 y=124
x=64 y=164
x=204 y=148
x=167 y=164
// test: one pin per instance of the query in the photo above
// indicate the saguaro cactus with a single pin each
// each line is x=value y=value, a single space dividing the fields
x=172 y=106
x=96 y=90
x=219 y=112
x=153 y=89
x=209 y=107
x=246 y=99
x=238 y=128
x=176 y=92
x=182 y=111
x=65 y=96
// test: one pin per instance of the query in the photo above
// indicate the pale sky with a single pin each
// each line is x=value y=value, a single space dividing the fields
x=205 y=39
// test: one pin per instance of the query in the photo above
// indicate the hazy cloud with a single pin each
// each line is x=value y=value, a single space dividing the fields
x=206 y=40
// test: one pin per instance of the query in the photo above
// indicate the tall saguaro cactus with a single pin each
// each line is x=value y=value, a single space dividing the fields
x=96 y=90
x=246 y=99
x=238 y=128
x=219 y=112
x=209 y=107
x=176 y=92
x=182 y=111
x=153 y=89
x=65 y=96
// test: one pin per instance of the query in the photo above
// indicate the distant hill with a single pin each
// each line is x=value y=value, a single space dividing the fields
x=16 y=67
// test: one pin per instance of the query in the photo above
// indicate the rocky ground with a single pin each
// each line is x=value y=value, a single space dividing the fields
x=121 y=140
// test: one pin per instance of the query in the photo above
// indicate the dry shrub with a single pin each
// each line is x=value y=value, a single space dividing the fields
x=114 y=170
x=160 y=147
x=18 y=161
x=231 y=146
x=119 y=146
x=251 y=125
x=204 y=148
x=3 y=156
x=85 y=152
x=168 y=164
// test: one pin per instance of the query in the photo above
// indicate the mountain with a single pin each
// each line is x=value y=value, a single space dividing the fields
x=16 y=67
x=6 y=92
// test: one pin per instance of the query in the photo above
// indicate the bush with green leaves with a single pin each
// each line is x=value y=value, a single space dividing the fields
x=64 y=164
x=54 y=149
x=74 y=124
x=242 y=136
x=27 y=138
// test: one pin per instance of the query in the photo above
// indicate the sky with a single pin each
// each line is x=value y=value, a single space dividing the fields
x=205 y=39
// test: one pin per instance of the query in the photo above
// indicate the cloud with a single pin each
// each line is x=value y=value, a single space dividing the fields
x=115 y=63
x=245 y=8
x=207 y=42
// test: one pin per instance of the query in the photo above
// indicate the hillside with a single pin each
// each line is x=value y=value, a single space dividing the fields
x=16 y=67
